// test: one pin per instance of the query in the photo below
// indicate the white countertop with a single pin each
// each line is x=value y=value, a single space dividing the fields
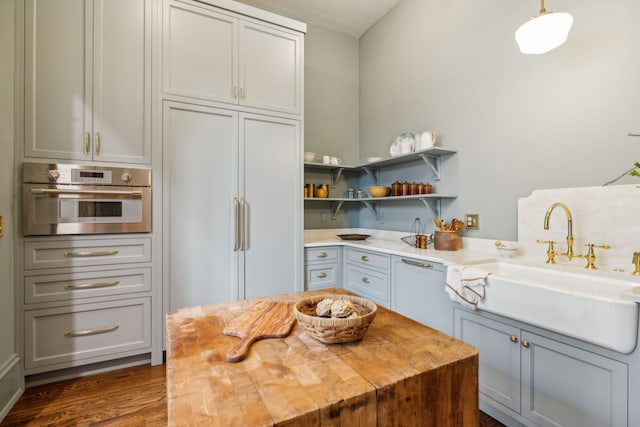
x=474 y=251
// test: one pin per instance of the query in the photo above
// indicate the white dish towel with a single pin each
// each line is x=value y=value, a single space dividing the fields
x=465 y=285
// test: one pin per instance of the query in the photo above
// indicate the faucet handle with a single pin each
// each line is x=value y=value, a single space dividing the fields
x=591 y=256
x=551 y=252
x=636 y=262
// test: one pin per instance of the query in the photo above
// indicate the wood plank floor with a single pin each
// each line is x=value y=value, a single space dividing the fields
x=129 y=397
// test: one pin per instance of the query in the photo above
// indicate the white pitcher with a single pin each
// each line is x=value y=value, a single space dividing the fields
x=426 y=139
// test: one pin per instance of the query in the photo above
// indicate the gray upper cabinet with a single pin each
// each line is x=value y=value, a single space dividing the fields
x=214 y=55
x=88 y=80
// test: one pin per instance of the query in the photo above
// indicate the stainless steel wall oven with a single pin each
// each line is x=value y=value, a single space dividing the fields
x=80 y=199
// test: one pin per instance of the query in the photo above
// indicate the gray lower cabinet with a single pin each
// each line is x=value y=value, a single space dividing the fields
x=322 y=268
x=417 y=291
x=543 y=382
x=367 y=274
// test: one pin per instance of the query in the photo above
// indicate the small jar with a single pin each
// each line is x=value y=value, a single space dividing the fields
x=396 y=189
x=311 y=190
x=428 y=188
x=350 y=193
x=359 y=194
x=413 y=189
x=405 y=189
x=422 y=188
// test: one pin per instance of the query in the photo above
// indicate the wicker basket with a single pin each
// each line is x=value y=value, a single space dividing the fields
x=332 y=330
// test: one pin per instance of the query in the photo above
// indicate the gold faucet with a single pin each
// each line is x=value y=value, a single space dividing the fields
x=636 y=262
x=569 y=253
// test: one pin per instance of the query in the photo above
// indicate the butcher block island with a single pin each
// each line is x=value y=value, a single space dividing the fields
x=400 y=373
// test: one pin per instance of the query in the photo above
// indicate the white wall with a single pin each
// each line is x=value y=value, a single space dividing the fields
x=331 y=94
x=11 y=382
x=520 y=122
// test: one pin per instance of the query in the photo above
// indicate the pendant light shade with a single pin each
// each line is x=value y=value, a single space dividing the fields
x=544 y=32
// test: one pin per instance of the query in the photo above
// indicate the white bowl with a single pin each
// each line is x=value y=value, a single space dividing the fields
x=506 y=251
x=309 y=156
x=373 y=159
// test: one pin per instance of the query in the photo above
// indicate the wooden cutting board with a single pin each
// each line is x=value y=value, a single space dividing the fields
x=266 y=319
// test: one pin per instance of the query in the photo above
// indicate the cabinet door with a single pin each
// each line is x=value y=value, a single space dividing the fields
x=271 y=191
x=58 y=68
x=200 y=53
x=417 y=291
x=122 y=81
x=566 y=386
x=499 y=367
x=200 y=173
x=270 y=68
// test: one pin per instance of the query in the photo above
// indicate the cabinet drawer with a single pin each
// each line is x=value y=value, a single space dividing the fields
x=73 y=286
x=322 y=275
x=368 y=283
x=365 y=258
x=321 y=254
x=68 y=335
x=80 y=253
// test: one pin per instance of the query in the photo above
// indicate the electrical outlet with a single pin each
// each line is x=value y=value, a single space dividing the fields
x=472 y=221
x=324 y=217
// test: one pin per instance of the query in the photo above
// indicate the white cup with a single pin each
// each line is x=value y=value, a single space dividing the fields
x=406 y=147
x=335 y=160
x=426 y=140
x=326 y=160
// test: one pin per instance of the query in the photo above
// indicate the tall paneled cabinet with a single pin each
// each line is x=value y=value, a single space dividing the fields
x=232 y=149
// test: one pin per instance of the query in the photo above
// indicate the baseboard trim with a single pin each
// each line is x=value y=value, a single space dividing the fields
x=11 y=384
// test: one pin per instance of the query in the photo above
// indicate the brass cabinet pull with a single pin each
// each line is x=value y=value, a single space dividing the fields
x=92 y=253
x=235 y=224
x=235 y=92
x=513 y=339
x=242 y=225
x=91 y=331
x=366 y=280
x=93 y=285
x=97 y=143
x=416 y=263
x=322 y=255
x=242 y=94
x=87 y=143
x=525 y=344
x=321 y=275
x=364 y=258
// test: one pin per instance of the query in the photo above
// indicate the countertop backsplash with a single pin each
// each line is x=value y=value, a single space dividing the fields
x=601 y=215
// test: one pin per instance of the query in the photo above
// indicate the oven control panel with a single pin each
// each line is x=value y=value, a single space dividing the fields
x=50 y=173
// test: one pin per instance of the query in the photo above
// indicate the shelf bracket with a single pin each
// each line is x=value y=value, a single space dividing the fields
x=335 y=176
x=374 y=208
x=435 y=205
x=433 y=163
x=373 y=173
x=335 y=208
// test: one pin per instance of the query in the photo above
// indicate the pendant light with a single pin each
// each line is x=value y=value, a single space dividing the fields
x=544 y=32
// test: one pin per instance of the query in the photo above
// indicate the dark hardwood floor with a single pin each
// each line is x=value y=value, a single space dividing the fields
x=129 y=397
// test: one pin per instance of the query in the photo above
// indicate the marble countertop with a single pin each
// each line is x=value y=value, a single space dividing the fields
x=474 y=251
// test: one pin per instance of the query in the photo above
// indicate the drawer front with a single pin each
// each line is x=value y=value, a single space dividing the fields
x=74 y=286
x=368 y=283
x=322 y=276
x=65 y=336
x=321 y=254
x=81 y=253
x=369 y=259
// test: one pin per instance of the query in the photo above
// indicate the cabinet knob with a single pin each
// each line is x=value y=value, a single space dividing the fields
x=525 y=344
x=366 y=280
x=321 y=275
x=364 y=258
x=322 y=255
x=513 y=339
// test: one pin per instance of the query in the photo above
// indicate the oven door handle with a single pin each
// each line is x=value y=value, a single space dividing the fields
x=132 y=193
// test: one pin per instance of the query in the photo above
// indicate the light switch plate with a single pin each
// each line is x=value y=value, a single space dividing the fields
x=472 y=221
